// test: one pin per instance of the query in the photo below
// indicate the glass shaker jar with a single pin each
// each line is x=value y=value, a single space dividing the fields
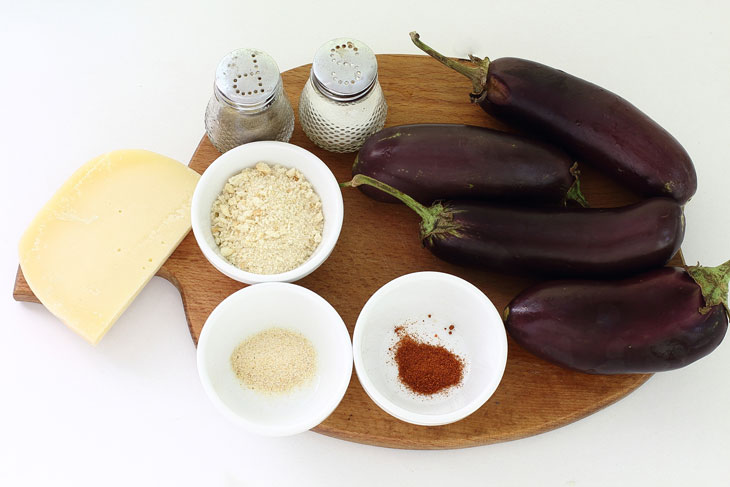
x=248 y=102
x=342 y=103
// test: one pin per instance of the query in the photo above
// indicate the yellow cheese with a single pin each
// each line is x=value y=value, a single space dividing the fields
x=93 y=247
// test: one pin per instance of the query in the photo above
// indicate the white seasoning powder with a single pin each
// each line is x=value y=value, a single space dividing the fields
x=274 y=361
x=267 y=220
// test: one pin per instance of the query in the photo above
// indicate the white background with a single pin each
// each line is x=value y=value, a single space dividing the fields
x=81 y=78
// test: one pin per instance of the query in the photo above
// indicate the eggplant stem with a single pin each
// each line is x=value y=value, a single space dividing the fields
x=574 y=193
x=423 y=211
x=477 y=74
x=713 y=282
x=430 y=216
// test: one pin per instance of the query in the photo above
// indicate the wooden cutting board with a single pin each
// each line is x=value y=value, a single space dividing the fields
x=379 y=242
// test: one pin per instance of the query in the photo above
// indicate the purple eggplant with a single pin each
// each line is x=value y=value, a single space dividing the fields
x=586 y=242
x=436 y=161
x=592 y=124
x=660 y=320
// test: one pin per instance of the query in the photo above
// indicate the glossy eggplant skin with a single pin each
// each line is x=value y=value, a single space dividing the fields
x=450 y=161
x=567 y=242
x=646 y=323
x=592 y=124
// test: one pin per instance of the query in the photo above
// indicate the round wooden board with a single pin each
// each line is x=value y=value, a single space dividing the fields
x=379 y=242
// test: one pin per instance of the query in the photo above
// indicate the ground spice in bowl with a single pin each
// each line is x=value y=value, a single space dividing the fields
x=274 y=361
x=426 y=369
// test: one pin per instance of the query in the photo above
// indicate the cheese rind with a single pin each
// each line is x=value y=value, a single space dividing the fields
x=104 y=234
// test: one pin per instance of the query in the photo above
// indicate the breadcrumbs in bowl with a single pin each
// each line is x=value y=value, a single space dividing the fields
x=267 y=211
x=267 y=219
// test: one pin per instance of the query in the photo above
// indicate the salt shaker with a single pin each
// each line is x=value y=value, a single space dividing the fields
x=248 y=102
x=342 y=103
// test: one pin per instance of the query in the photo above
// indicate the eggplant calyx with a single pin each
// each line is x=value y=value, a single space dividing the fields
x=442 y=225
x=436 y=220
x=713 y=282
x=477 y=73
x=574 y=193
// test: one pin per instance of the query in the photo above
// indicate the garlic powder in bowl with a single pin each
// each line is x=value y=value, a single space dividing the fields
x=274 y=361
x=266 y=393
x=267 y=219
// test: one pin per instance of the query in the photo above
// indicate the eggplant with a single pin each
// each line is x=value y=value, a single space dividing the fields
x=592 y=124
x=575 y=242
x=433 y=161
x=661 y=320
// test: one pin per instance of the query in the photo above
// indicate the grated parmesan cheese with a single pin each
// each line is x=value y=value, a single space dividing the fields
x=267 y=220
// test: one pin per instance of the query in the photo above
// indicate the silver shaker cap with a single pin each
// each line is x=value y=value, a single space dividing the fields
x=247 y=78
x=344 y=69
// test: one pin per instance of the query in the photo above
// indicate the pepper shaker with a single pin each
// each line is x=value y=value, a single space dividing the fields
x=248 y=102
x=342 y=103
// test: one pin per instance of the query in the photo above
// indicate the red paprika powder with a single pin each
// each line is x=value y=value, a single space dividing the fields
x=426 y=369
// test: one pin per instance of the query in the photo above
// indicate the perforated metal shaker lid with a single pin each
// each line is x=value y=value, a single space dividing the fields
x=247 y=78
x=344 y=69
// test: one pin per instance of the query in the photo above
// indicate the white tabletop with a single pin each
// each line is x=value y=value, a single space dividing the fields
x=80 y=78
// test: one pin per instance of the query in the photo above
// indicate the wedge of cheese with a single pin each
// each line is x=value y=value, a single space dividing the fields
x=93 y=247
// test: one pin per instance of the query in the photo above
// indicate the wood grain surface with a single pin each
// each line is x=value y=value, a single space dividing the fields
x=379 y=242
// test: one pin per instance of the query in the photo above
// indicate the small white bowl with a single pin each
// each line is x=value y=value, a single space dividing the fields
x=252 y=310
x=234 y=161
x=430 y=302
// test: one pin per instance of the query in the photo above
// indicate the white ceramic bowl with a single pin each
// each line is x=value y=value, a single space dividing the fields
x=478 y=337
x=247 y=155
x=252 y=310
